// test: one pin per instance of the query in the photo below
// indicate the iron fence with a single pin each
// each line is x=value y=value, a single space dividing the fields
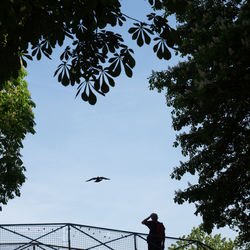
x=62 y=236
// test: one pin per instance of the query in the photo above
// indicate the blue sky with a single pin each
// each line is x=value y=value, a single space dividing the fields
x=127 y=136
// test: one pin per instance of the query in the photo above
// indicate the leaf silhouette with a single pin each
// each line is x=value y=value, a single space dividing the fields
x=161 y=49
x=65 y=80
x=110 y=80
x=84 y=96
x=105 y=87
x=140 y=33
x=92 y=97
x=128 y=70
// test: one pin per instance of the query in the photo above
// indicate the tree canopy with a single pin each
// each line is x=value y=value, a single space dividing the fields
x=92 y=58
x=93 y=54
x=209 y=93
x=96 y=55
x=16 y=120
x=213 y=241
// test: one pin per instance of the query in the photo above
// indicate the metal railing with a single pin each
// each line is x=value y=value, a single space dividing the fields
x=80 y=237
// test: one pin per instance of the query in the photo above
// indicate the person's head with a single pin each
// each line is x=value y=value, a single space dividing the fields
x=154 y=217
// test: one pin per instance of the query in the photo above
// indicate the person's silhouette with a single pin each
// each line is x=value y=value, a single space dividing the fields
x=156 y=236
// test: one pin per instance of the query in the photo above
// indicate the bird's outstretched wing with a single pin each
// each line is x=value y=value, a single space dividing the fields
x=98 y=179
x=94 y=178
x=104 y=178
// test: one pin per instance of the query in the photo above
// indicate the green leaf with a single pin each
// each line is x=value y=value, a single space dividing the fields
x=62 y=56
x=166 y=53
x=78 y=91
x=112 y=20
x=134 y=36
x=130 y=60
x=104 y=87
x=158 y=4
x=147 y=30
x=24 y=63
x=92 y=97
x=97 y=84
x=84 y=95
x=146 y=37
x=56 y=71
x=115 y=71
x=112 y=66
x=120 y=22
x=159 y=53
x=128 y=71
x=132 y=30
x=28 y=56
x=140 y=40
x=49 y=50
x=110 y=80
x=60 y=76
x=112 y=59
x=105 y=49
x=65 y=80
x=16 y=121
x=34 y=52
x=155 y=48
x=39 y=54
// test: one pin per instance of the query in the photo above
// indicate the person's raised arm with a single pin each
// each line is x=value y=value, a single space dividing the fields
x=145 y=220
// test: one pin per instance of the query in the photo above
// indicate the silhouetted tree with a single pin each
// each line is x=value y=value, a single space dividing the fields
x=16 y=120
x=96 y=54
x=213 y=241
x=209 y=93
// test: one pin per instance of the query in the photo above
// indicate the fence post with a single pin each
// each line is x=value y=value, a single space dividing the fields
x=69 y=243
x=135 y=243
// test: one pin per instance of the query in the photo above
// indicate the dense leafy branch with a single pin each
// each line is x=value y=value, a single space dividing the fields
x=209 y=241
x=32 y=29
x=92 y=58
x=210 y=96
x=209 y=92
x=16 y=120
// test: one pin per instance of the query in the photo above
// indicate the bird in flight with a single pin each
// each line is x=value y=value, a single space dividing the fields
x=98 y=179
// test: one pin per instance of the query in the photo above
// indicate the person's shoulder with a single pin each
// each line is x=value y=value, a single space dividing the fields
x=161 y=224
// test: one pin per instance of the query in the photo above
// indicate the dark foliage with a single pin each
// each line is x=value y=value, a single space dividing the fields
x=210 y=96
x=96 y=55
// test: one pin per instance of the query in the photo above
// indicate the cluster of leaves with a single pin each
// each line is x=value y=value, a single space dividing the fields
x=210 y=97
x=16 y=120
x=209 y=241
x=95 y=57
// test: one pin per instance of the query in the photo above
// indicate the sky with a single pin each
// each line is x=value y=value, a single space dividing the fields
x=127 y=136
